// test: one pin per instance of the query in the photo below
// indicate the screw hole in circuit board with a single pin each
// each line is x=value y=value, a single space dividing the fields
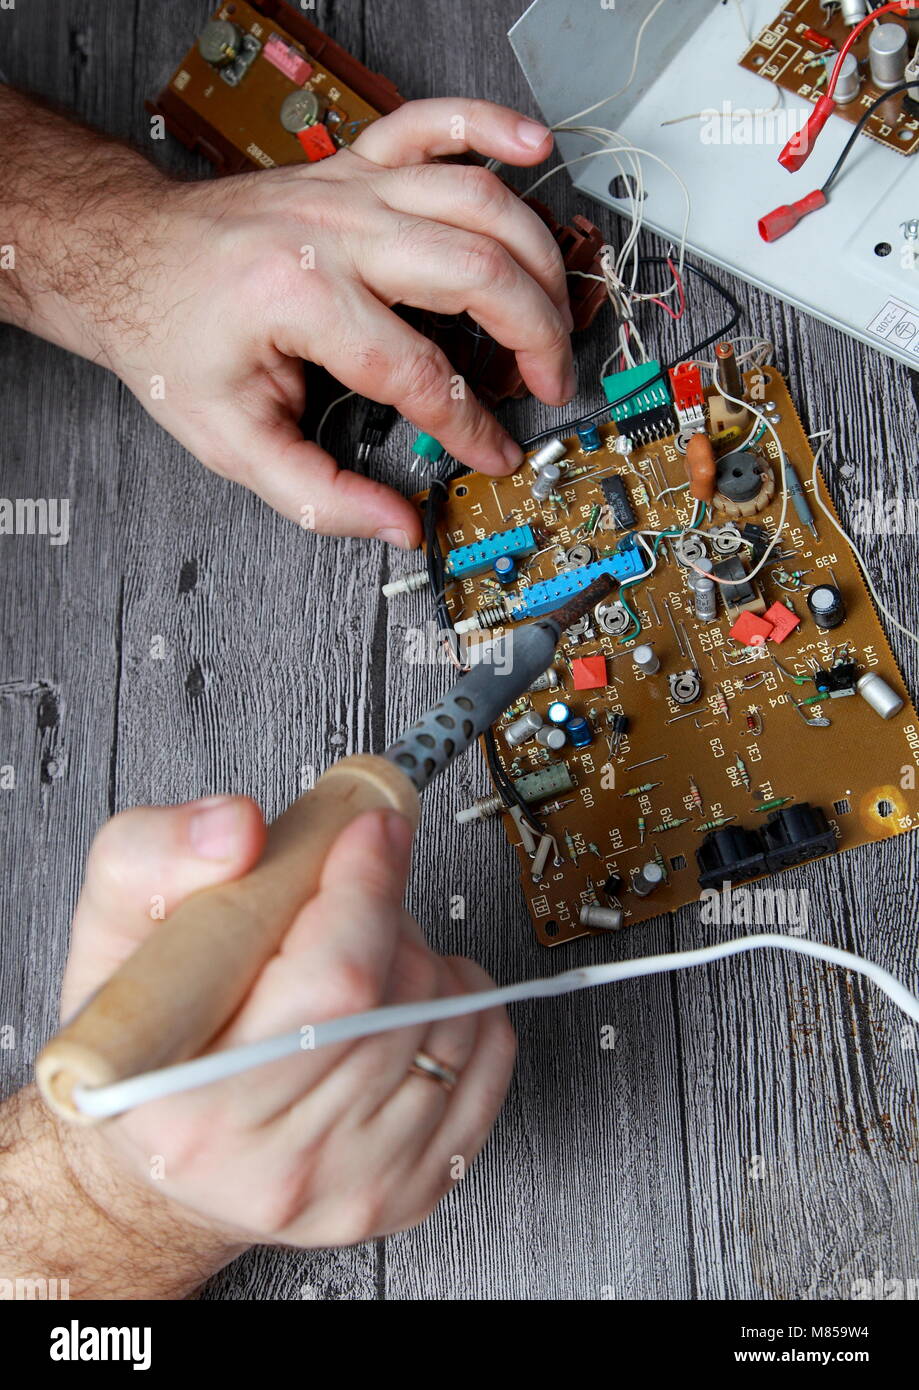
x=885 y=808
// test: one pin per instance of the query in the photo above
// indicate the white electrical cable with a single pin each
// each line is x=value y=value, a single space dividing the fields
x=827 y=434
x=328 y=411
x=104 y=1101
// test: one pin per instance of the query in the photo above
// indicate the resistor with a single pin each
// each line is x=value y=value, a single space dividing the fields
x=669 y=825
x=754 y=722
x=714 y=824
x=641 y=830
x=774 y=803
x=570 y=845
x=695 y=796
x=742 y=771
x=645 y=787
x=722 y=704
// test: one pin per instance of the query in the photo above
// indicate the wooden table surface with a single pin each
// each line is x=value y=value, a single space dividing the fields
x=753 y=1134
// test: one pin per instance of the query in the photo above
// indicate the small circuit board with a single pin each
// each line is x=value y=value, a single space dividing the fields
x=263 y=87
x=797 y=50
x=738 y=732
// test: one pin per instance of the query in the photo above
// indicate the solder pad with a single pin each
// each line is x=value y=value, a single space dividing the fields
x=858 y=770
x=784 y=56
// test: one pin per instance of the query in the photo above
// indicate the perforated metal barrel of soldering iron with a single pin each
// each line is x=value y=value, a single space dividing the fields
x=503 y=670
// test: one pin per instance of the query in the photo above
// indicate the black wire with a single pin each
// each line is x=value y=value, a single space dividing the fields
x=736 y=314
x=857 y=130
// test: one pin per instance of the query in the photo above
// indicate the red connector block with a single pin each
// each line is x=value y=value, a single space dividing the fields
x=798 y=150
x=781 y=220
x=686 y=384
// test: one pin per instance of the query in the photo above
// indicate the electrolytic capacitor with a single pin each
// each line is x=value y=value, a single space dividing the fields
x=559 y=712
x=853 y=11
x=826 y=606
x=553 y=451
x=888 y=54
x=705 y=600
x=547 y=681
x=552 y=737
x=604 y=918
x=523 y=728
x=880 y=697
x=849 y=82
x=580 y=732
x=645 y=660
x=505 y=569
x=589 y=436
x=544 y=483
x=649 y=877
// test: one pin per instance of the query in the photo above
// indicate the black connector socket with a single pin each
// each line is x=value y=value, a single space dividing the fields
x=792 y=835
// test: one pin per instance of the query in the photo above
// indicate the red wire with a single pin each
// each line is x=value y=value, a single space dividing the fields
x=903 y=7
x=662 y=304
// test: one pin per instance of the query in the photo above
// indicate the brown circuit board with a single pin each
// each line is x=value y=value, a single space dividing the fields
x=787 y=57
x=232 y=113
x=856 y=769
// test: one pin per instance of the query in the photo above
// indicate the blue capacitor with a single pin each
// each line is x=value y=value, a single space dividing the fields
x=558 y=712
x=589 y=435
x=505 y=568
x=579 y=731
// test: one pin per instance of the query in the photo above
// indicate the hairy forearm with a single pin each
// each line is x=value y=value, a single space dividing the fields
x=70 y=1213
x=75 y=215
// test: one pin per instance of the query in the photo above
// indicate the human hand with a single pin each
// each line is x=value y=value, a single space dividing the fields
x=231 y=283
x=320 y=1149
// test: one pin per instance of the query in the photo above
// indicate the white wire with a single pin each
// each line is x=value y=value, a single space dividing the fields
x=328 y=411
x=827 y=434
x=105 y=1101
x=576 y=116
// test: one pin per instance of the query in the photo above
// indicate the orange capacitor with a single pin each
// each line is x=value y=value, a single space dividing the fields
x=700 y=467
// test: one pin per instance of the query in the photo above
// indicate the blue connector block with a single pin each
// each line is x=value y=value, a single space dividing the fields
x=478 y=557
x=552 y=593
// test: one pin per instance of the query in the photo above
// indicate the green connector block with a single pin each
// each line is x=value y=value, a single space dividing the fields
x=427 y=447
x=655 y=394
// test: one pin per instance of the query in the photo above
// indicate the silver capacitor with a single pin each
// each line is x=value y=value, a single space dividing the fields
x=649 y=877
x=705 y=600
x=645 y=660
x=543 y=484
x=523 y=728
x=604 y=918
x=849 y=83
x=553 y=451
x=878 y=694
x=888 y=53
x=547 y=681
x=552 y=737
x=853 y=11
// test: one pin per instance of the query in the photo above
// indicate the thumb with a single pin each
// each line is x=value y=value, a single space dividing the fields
x=303 y=482
x=142 y=865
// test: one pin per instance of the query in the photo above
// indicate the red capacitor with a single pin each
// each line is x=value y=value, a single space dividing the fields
x=751 y=630
x=783 y=621
x=589 y=672
x=317 y=142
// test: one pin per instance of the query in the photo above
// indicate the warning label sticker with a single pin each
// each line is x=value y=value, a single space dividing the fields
x=898 y=325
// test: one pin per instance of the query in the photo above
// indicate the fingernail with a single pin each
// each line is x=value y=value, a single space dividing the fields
x=531 y=134
x=213 y=831
x=393 y=536
x=399 y=834
x=512 y=453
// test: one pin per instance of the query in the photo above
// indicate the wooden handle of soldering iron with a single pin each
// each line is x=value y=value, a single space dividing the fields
x=181 y=986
